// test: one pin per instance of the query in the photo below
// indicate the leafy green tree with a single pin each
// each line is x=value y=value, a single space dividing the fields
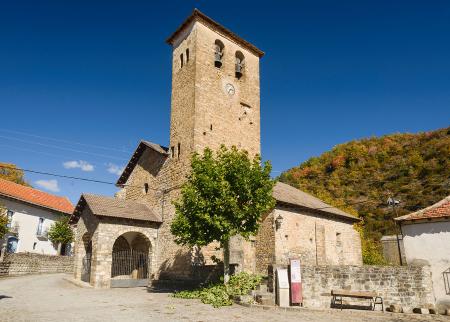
x=372 y=253
x=60 y=232
x=9 y=172
x=225 y=195
x=3 y=221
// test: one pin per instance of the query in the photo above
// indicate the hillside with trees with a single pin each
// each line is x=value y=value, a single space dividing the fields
x=9 y=171
x=359 y=177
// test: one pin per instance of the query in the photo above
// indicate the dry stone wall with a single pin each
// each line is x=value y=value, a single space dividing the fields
x=408 y=286
x=29 y=263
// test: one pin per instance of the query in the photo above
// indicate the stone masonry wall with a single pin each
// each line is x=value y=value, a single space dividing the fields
x=29 y=263
x=316 y=239
x=408 y=286
x=103 y=232
x=108 y=231
x=265 y=245
x=221 y=117
x=164 y=176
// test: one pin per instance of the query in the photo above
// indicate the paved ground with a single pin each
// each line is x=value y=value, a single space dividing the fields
x=51 y=298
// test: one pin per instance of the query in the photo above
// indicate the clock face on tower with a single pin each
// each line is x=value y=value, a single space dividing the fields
x=229 y=88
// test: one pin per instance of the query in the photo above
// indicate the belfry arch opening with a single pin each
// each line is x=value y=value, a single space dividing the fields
x=218 y=53
x=239 y=66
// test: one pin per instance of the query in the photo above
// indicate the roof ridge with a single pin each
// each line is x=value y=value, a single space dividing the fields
x=162 y=150
x=197 y=15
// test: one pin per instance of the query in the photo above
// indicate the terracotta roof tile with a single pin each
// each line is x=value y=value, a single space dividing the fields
x=35 y=197
x=440 y=209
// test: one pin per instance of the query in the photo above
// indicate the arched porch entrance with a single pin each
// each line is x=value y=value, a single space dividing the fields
x=130 y=264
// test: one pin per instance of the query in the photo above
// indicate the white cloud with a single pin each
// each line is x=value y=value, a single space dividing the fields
x=115 y=169
x=50 y=185
x=83 y=165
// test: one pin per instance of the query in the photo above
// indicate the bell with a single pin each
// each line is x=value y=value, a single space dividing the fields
x=238 y=67
x=218 y=59
x=238 y=70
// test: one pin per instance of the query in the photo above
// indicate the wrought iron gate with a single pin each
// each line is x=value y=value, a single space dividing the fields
x=129 y=268
x=86 y=264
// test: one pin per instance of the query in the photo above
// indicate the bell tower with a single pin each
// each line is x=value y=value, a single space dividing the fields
x=215 y=89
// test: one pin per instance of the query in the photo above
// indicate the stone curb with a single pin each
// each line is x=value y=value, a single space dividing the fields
x=352 y=312
x=77 y=282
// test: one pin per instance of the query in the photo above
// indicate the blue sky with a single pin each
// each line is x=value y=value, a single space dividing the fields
x=81 y=82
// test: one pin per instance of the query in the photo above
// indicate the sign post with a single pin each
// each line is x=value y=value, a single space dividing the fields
x=296 y=282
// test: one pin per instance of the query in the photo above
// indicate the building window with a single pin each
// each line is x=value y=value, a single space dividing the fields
x=179 y=150
x=181 y=61
x=172 y=151
x=66 y=249
x=145 y=188
x=11 y=246
x=39 y=228
x=218 y=53
x=239 y=70
x=187 y=55
x=34 y=245
x=9 y=215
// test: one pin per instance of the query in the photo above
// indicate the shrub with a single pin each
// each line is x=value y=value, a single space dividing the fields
x=219 y=294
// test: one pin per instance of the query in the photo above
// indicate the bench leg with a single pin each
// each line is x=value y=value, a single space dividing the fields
x=379 y=300
x=337 y=300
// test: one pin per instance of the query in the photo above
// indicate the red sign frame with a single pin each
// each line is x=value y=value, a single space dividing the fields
x=296 y=281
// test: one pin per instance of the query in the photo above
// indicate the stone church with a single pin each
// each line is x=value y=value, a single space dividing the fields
x=126 y=241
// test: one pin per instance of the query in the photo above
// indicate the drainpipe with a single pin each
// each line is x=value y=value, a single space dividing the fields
x=399 y=228
x=392 y=202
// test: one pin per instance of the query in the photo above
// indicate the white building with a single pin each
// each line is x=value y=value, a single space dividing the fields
x=31 y=212
x=426 y=239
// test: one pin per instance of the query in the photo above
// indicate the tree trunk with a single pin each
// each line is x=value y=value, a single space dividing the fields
x=59 y=248
x=226 y=261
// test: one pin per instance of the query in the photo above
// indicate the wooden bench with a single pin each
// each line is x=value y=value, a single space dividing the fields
x=338 y=295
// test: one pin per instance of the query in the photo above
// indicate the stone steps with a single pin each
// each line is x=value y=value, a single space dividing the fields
x=263 y=296
x=260 y=296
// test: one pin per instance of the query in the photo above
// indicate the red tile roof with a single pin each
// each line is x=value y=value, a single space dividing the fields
x=35 y=197
x=440 y=209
